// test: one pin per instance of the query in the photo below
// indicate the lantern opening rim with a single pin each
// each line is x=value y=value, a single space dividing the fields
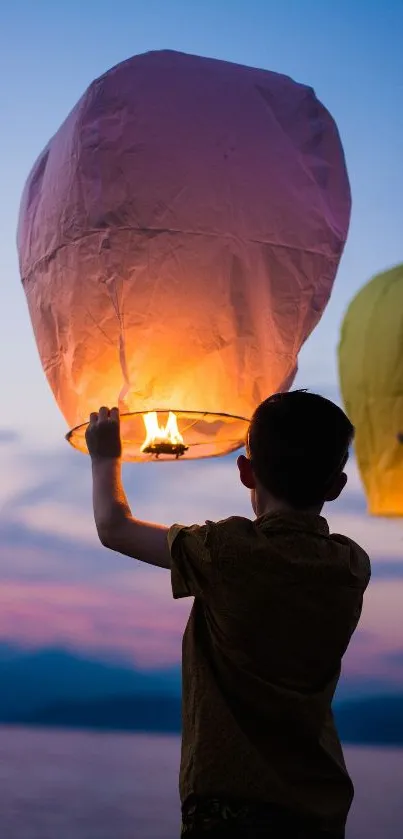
x=188 y=450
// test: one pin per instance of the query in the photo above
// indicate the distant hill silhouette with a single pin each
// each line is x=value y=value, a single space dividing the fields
x=33 y=680
x=376 y=721
x=60 y=688
x=120 y=713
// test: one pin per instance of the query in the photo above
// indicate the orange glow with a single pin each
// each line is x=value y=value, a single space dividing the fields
x=174 y=300
x=162 y=439
x=187 y=435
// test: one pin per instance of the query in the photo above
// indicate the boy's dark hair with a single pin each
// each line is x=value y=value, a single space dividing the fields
x=298 y=442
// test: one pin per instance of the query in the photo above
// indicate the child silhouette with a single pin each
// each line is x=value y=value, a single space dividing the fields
x=276 y=601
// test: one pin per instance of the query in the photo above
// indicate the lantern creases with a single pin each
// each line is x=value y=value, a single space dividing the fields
x=178 y=241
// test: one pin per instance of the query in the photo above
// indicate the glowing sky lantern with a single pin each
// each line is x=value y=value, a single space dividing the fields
x=371 y=378
x=178 y=240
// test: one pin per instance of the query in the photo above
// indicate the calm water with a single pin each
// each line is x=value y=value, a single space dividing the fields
x=68 y=785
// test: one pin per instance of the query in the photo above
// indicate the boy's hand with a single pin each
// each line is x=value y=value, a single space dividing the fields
x=117 y=529
x=103 y=435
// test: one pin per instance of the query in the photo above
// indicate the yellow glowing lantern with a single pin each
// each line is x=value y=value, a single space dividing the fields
x=178 y=241
x=371 y=379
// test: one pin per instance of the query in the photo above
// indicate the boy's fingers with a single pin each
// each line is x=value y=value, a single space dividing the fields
x=93 y=418
x=114 y=415
x=103 y=414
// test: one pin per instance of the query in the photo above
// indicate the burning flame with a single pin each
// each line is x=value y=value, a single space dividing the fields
x=162 y=439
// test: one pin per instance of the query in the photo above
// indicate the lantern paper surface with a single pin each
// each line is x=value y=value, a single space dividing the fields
x=178 y=241
x=371 y=378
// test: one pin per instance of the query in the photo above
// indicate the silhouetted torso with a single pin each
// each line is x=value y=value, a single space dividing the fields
x=276 y=603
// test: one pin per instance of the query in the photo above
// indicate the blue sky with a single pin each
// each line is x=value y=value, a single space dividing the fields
x=349 y=52
x=56 y=583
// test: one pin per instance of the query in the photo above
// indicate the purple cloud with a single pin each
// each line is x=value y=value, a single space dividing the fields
x=8 y=436
x=59 y=586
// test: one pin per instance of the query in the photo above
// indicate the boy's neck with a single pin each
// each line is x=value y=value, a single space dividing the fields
x=266 y=504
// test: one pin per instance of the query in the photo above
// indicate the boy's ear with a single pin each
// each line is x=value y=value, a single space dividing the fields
x=246 y=473
x=337 y=487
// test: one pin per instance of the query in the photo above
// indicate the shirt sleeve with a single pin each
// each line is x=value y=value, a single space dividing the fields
x=193 y=559
x=360 y=563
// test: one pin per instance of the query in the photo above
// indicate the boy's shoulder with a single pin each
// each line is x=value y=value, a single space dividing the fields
x=360 y=563
x=348 y=560
x=214 y=539
x=212 y=529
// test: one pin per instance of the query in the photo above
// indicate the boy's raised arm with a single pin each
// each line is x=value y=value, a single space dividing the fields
x=117 y=529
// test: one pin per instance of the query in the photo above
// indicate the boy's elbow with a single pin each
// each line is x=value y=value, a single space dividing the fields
x=118 y=534
x=110 y=532
x=139 y=540
x=106 y=536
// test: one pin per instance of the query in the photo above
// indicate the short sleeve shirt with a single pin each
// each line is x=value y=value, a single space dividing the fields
x=276 y=601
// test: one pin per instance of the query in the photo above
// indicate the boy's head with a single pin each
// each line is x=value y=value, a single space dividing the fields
x=297 y=448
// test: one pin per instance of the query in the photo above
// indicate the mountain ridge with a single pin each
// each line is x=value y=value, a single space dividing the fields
x=56 y=687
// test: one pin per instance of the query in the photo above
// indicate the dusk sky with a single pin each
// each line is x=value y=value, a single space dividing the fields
x=58 y=588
